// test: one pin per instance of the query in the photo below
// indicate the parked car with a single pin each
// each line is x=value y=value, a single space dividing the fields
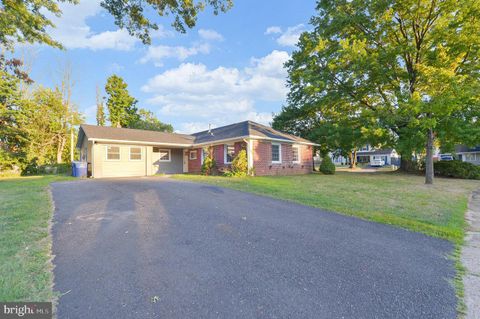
x=377 y=162
x=446 y=157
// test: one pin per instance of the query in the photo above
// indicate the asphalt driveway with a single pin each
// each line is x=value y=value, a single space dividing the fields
x=161 y=248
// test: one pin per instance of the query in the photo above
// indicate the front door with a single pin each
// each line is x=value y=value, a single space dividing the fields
x=185 y=161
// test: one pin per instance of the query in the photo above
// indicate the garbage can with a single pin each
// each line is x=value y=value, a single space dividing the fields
x=79 y=169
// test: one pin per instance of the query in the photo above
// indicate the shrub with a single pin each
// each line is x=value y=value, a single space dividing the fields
x=327 y=167
x=240 y=164
x=208 y=163
x=457 y=169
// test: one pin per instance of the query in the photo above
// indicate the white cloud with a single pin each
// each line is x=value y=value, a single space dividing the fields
x=72 y=30
x=210 y=35
x=288 y=37
x=219 y=96
x=90 y=113
x=115 y=67
x=157 y=54
x=273 y=30
x=160 y=52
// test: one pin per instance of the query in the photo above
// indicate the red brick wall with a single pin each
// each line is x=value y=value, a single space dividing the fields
x=262 y=159
x=219 y=153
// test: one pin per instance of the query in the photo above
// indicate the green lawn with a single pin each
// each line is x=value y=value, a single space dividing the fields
x=391 y=198
x=25 y=242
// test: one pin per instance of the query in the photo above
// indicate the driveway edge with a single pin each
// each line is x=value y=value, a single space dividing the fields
x=470 y=258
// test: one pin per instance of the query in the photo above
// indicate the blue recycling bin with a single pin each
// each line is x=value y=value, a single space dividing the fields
x=79 y=169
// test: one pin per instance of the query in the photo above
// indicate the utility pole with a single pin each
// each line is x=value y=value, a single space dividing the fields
x=72 y=155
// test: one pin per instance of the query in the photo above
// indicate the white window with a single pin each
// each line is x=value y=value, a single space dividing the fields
x=229 y=153
x=471 y=157
x=113 y=153
x=193 y=155
x=135 y=153
x=295 y=154
x=276 y=153
x=164 y=154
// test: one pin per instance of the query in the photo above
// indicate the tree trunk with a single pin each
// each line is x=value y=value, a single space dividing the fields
x=429 y=158
x=407 y=164
x=352 y=157
x=61 y=144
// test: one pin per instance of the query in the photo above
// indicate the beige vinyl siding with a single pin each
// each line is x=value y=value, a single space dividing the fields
x=122 y=167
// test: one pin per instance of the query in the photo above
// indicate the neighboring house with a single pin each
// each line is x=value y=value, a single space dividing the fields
x=368 y=155
x=117 y=152
x=468 y=154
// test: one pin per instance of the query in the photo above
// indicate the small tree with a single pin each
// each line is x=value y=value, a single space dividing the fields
x=208 y=162
x=240 y=164
x=327 y=167
x=121 y=105
x=100 y=109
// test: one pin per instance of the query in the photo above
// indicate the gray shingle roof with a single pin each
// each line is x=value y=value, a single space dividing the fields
x=244 y=129
x=465 y=148
x=384 y=151
x=127 y=134
x=232 y=131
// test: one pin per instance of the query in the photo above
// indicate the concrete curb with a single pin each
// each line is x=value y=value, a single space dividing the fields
x=471 y=258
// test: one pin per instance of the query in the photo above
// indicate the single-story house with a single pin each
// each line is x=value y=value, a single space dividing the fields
x=368 y=155
x=468 y=154
x=119 y=152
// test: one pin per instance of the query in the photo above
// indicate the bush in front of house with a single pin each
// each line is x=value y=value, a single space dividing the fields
x=209 y=164
x=327 y=167
x=240 y=164
x=457 y=169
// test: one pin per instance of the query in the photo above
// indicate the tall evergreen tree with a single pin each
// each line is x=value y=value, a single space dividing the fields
x=121 y=106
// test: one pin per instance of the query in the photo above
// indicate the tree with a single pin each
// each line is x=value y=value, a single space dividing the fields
x=27 y=21
x=409 y=65
x=129 y=14
x=12 y=138
x=100 y=109
x=47 y=136
x=148 y=121
x=121 y=106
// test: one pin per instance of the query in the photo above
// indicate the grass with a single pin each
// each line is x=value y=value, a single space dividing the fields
x=25 y=242
x=386 y=197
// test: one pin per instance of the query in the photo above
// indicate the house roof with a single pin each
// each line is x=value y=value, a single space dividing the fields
x=233 y=131
x=245 y=129
x=134 y=135
x=384 y=151
x=464 y=148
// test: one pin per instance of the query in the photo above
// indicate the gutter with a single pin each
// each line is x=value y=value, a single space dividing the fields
x=256 y=137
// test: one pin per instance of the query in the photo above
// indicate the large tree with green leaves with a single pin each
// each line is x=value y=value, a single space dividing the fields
x=120 y=104
x=27 y=21
x=412 y=65
x=148 y=121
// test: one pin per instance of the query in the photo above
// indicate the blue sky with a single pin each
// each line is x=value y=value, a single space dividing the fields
x=227 y=69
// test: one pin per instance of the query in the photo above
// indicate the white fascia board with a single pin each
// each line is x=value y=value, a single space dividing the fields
x=256 y=137
x=103 y=140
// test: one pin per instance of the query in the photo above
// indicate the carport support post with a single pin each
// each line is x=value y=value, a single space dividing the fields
x=249 y=156
x=92 y=160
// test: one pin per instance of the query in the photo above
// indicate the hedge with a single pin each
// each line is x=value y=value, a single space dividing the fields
x=457 y=169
